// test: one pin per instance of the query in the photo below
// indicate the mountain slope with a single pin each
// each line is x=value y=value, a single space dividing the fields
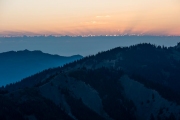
x=155 y=63
x=148 y=102
x=137 y=82
x=18 y=65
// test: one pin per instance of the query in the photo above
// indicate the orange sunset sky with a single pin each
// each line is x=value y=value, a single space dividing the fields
x=85 y=17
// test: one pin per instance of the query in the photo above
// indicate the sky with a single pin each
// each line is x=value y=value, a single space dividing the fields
x=89 y=17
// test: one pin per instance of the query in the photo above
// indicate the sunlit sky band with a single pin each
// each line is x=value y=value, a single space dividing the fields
x=89 y=17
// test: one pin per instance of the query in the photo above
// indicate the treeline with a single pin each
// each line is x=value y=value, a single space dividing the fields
x=29 y=103
x=164 y=91
x=106 y=82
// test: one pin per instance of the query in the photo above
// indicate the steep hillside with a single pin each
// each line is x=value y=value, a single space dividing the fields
x=155 y=63
x=18 y=65
x=131 y=83
x=149 y=103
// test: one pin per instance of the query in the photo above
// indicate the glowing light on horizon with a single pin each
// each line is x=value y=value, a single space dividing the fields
x=79 y=17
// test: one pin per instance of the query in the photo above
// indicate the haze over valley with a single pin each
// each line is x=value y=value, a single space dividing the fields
x=68 y=45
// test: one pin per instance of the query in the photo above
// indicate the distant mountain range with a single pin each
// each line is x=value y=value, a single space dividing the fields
x=140 y=82
x=15 y=66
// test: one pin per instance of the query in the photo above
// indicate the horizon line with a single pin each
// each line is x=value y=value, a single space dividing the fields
x=137 y=35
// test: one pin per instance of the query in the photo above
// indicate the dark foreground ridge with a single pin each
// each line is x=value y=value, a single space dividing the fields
x=129 y=83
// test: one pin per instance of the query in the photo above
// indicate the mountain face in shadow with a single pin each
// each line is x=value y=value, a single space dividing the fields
x=18 y=65
x=139 y=82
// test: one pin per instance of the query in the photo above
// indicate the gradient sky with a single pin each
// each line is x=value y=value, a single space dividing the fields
x=84 y=17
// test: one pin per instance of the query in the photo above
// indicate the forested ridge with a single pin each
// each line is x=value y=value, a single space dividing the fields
x=157 y=68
